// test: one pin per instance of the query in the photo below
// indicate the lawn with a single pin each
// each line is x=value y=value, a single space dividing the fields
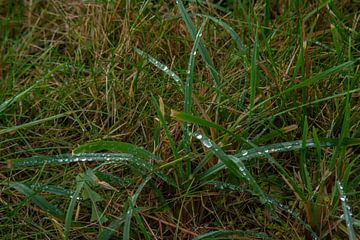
x=179 y=119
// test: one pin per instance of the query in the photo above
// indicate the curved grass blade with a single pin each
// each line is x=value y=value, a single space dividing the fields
x=162 y=67
x=202 y=49
x=227 y=28
x=347 y=211
x=115 y=146
x=227 y=234
x=70 y=158
x=38 y=200
x=237 y=167
x=75 y=197
x=129 y=213
x=248 y=154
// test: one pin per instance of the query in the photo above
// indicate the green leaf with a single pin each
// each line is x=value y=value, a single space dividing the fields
x=229 y=234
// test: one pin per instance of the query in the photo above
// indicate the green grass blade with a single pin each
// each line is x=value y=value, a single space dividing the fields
x=347 y=211
x=51 y=189
x=107 y=233
x=239 y=43
x=129 y=213
x=70 y=158
x=253 y=72
x=162 y=67
x=236 y=166
x=303 y=166
x=230 y=234
x=33 y=123
x=75 y=197
x=12 y=100
x=115 y=146
x=320 y=76
x=38 y=200
x=189 y=86
x=202 y=49
x=185 y=117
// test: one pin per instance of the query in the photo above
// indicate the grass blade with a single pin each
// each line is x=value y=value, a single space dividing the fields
x=115 y=146
x=34 y=123
x=347 y=211
x=188 y=87
x=162 y=67
x=236 y=166
x=75 y=197
x=228 y=234
x=129 y=213
x=70 y=158
x=202 y=49
x=36 y=199
x=320 y=76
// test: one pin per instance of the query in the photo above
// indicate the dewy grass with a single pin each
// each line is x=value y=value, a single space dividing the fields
x=258 y=139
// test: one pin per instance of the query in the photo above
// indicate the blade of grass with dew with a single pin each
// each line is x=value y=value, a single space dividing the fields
x=75 y=197
x=129 y=213
x=51 y=189
x=227 y=28
x=33 y=123
x=230 y=234
x=162 y=67
x=12 y=100
x=347 y=211
x=202 y=49
x=248 y=154
x=188 y=89
x=70 y=158
x=237 y=167
x=36 y=199
x=115 y=146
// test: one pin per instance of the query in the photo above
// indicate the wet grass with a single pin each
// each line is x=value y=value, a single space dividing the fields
x=179 y=120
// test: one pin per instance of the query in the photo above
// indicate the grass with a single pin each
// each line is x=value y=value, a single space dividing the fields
x=179 y=120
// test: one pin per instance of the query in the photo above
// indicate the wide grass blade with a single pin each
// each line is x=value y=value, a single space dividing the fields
x=38 y=200
x=115 y=146
x=111 y=229
x=347 y=211
x=70 y=158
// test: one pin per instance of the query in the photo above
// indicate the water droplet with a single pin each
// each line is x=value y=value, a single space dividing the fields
x=244 y=153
